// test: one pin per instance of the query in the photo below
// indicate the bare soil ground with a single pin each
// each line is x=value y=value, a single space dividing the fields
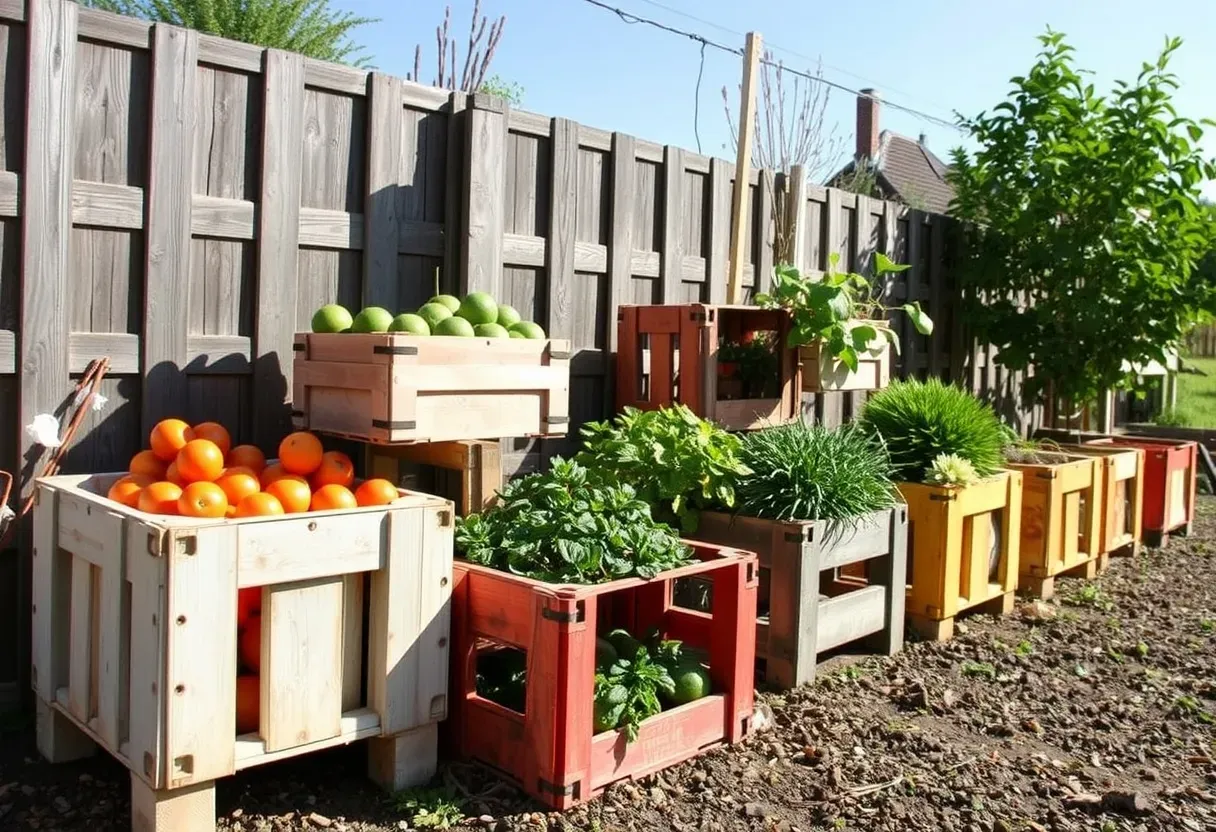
x=1095 y=711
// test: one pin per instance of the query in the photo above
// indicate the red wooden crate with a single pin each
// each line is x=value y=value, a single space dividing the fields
x=669 y=354
x=550 y=749
x=1170 y=466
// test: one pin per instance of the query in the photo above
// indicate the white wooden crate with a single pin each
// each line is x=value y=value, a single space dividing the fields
x=135 y=640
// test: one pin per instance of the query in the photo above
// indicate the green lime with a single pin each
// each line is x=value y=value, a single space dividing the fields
x=508 y=316
x=331 y=318
x=528 y=330
x=372 y=319
x=410 y=323
x=490 y=331
x=692 y=682
x=479 y=308
x=433 y=313
x=450 y=301
x=515 y=334
x=605 y=716
x=454 y=326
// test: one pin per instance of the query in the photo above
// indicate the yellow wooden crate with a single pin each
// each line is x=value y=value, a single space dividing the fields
x=1061 y=514
x=135 y=639
x=953 y=536
x=476 y=464
x=1122 y=513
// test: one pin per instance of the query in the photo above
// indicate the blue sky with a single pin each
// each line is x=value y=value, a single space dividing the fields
x=939 y=56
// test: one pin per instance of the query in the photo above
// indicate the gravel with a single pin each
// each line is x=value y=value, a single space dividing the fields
x=1093 y=711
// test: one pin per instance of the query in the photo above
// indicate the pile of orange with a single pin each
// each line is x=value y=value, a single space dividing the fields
x=196 y=472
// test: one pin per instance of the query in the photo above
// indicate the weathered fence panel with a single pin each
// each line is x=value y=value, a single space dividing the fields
x=182 y=204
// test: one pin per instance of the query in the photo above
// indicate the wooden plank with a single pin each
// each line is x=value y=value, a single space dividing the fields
x=170 y=185
x=832 y=404
x=111 y=28
x=385 y=125
x=122 y=348
x=8 y=352
x=10 y=193
x=189 y=809
x=357 y=724
x=81 y=691
x=740 y=217
x=147 y=572
x=484 y=195
x=231 y=219
x=107 y=204
x=278 y=240
x=200 y=721
x=452 y=274
x=335 y=77
x=796 y=244
x=329 y=545
x=850 y=616
x=672 y=252
x=46 y=219
x=766 y=233
x=911 y=350
x=409 y=627
x=719 y=230
x=560 y=248
x=301 y=662
x=352 y=643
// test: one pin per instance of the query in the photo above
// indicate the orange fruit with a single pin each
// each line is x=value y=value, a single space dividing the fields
x=248 y=604
x=238 y=483
x=172 y=476
x=202 y=499
x=249 y=644
x=248 y=704
x=217 y=433
x=168 y=437
x=230 y=512
x=336 y=468
x=331 y=497
x=148 y=464
x=271 y=473
x=300 y=453
x=126 y=490
x=292 y=492
x=259 y=505
x=248 y=456
x=376 y=492
x=159 y=498
x=201 y=460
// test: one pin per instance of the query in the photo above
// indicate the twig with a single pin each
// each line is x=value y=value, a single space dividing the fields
x=862 y=791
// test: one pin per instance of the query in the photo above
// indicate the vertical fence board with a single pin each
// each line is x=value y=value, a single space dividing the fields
x=278 y=238
x=671 y=255
x=484 y=195
x=385 y=125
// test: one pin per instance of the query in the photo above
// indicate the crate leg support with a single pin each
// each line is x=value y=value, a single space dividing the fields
x=407 y=759
x=931 y=629
x=1037 y=587
x=1183 y=530
x=59 y=741
x=1000 y=605
x=891 y=571
x=188 y=809
x=1155 y=539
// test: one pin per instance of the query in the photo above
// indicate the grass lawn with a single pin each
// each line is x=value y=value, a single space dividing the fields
x=1196 y=397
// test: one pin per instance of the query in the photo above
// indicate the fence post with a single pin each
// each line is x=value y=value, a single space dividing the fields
x=381 y=282
x=483 y=200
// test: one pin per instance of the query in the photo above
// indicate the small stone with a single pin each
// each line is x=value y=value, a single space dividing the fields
x=756 y=810
x=700 y=775
x=236 y=813
x=1037 y=611
x=317 y=819
x=949 y=699
x=961 y=628
x=486 y=819
x=1150 y=774
x=658 y=795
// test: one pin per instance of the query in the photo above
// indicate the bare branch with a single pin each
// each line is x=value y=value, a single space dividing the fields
x=479 y=52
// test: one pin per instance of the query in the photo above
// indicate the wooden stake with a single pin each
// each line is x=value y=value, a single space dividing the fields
x=747 y=128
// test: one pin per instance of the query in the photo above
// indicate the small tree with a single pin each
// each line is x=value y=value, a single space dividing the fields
x=479 y=53
x=1086 y=227
x=791 y=129
x=310 y=27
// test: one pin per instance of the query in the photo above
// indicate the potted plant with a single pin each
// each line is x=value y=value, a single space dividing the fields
x=840 y=325
x=1061 y=515
x=818 y=499
x=964 y=505
x=561 y=607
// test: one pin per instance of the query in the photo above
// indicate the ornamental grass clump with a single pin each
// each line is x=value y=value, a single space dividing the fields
x=563 y=527
x=677 y=462
x=921 y=420
x=808 y=472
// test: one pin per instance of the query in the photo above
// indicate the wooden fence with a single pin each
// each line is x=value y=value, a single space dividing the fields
x=1201 y=341
x=182 y=203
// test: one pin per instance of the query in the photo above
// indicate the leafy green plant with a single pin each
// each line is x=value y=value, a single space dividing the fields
x=677 y=462
x=1085 y=225
x=429 y=808
x=808 y=472
x=842 y=310
x=951 y=469
x=756 y=364
x=629 y=692
x=920 y=420
x=562 y=527
x=984 y=670
x=310 y=27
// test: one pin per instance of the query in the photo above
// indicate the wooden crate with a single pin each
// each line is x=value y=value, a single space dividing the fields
x=669 y=354
x=390 y=387
x=1170 y=469
x=954 y=536
x=135 y=640
x=1061 y=521
x=468 y=473
x=550 y=749
x=811 y=610
x=824 y=373
x=1122 y=512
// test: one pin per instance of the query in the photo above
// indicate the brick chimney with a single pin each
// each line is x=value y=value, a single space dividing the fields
x=867 y=124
